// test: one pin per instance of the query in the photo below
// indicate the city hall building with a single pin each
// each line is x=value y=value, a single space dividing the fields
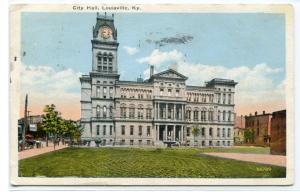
x=154 y=111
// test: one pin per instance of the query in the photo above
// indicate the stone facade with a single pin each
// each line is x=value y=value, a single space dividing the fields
x=278 y=132
x=260 y=127
x=153 y=111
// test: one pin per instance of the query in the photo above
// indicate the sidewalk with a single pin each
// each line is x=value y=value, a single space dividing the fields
x=37 y=151
x=278 y=160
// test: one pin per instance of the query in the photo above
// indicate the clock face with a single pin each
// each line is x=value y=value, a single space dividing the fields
x=105 y=32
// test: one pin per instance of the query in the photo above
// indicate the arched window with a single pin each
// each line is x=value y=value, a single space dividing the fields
x=123 y=111
x=104 y=111
x=203 y=114
x=196 y=114
x=98 y=111
x=188 y=114
x=111 y=111
x=140 y=112
x=131 y=111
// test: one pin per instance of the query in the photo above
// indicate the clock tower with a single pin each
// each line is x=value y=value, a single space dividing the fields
x=98 y=88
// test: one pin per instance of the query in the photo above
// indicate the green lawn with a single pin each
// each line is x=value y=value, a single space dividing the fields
x=133 y=162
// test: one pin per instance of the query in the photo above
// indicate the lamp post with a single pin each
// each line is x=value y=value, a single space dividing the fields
x=25 y=122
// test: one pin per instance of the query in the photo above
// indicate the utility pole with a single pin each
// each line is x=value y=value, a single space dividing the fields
x=25 y=122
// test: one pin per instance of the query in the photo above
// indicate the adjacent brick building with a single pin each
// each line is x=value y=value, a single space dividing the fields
x=239 y=128
x=260 y=127
x=278 y=133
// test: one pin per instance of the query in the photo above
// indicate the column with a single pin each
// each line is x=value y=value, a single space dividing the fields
x=174 y=111
x=158 y=110
x=182 y=112
x=174 y=132
x=181 y=133
x=167 y=108
x=166 y=132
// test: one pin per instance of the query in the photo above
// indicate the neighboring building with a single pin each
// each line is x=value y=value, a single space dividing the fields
x=153 y=111
x=260 y=127
x=33 y=122
x=239 y=128
x=278 y=133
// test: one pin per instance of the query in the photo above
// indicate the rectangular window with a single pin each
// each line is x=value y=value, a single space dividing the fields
x=148 y=142
x=140 y=130
x=131 y=113
x=196 y=115
x=131 y=142
x=140 y=113
x=123 y=112
x=224 y=143
x=148 y=130
x=218 y=132
x=111 y=89
x=104 y=92
x=223 y=132
x=104 y=129
x=123 y=142
x=224 y=98
x=131 y=129
x=161 y=92
x=228 y=143
x=177 y=92
x=210 y=143
x=148 y=113
x=123 y=130
x=110 y=129
x=140 y=142
x=229 y=115
x=228 y=132
x=98 y=129
x=218 y=143
x=203 y=131
x=203 y=143
x=229 y=98
x=210 y=132
x=98 y=91
x=188 y=132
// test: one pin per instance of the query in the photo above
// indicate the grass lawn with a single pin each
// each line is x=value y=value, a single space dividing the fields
x=134 y=162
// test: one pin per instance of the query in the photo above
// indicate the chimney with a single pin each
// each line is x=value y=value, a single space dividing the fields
x=264 y=112
x=151 y=70
x=255 y=113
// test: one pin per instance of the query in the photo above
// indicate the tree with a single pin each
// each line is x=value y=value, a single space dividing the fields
x=50 y=122
x=249 y=135
x=195 y=132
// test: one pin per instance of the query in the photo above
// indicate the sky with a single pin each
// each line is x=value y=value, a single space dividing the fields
x=246 y=47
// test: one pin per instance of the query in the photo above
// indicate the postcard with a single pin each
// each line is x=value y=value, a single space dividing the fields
x=169 y=94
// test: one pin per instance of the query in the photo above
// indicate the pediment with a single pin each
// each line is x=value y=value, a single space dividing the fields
x=170 y=74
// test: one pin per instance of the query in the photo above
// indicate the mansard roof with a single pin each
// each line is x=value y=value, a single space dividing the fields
x=169 y=74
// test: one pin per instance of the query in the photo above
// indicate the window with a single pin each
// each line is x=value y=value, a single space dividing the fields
x=211 y=132
x=99 y=62
x=210 y=143
x=111 y=89
x=210 y=115
x=224 y=143
x=110 y=129
x=98 y=91
x=218 y=132
x=131 y=129
x=140 y=113
x=203 y=143
x=196 y=115
x=98 y=111
x=224 y=98
x=219 y=97
x=123 y=112
x=224 y=115
x=140 y=142
x=228 y=133
x=123 y=142
x=203 y=131
x=218 y=143
x=110 y=111
x=228 y=143
x=203 y=115
x=188 y=131
x=140 y=130
x=188 y=114
x=98 y=129
x=223 y=132
x=104 y=129
x=169 y=92
x=104 y=92
x=104 y=111
x=131 y=142
x=219 y=115
x=229 y=98
x=257 y=131
x=148 y=113
x=161 y=92
x=131 y=112
x=177 y=93
x=148 y=142
x=123 y=130
x=229 y=115
x=148 y=131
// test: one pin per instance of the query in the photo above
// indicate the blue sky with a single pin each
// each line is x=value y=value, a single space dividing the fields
x=253 y=43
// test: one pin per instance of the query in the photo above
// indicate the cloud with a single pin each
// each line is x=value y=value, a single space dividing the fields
x=256 y=85
x=45 y=85
x=177 y=39
x=157 y=57
x=131 y=50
